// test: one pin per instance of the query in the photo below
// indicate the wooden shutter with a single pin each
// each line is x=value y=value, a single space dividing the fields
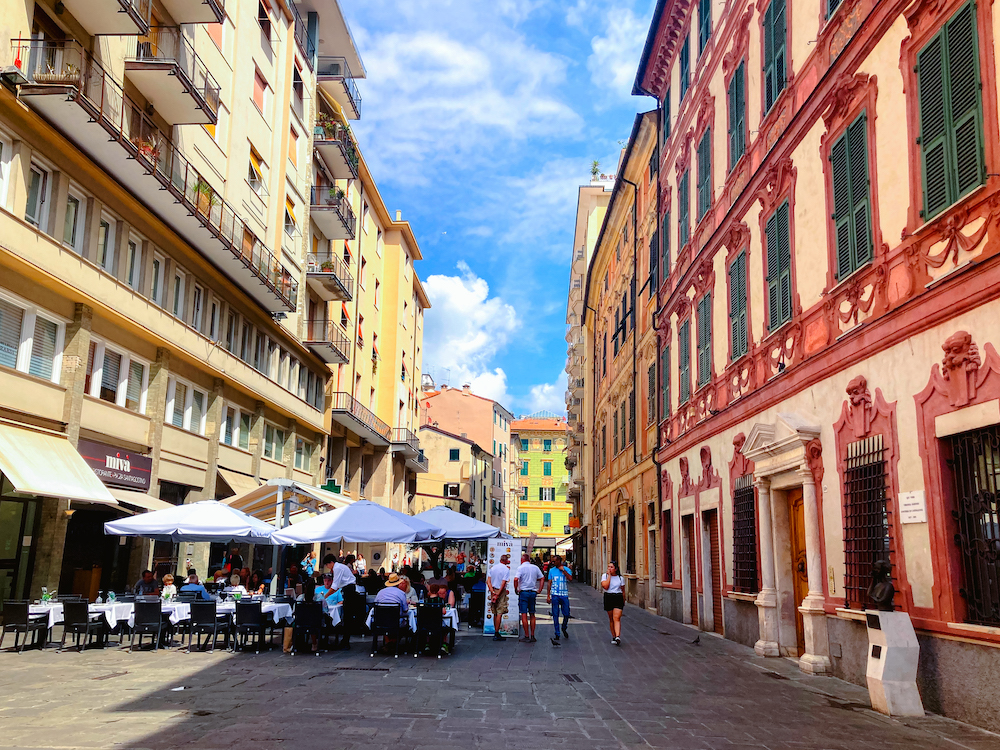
x=651 y=394
x=704 y=173
x=857 y=135
x=964 y=98
x=731 y=102
x=784 y=263
x=615 y=433
x=773 y=302
x=704 y=23
x=684 y=360
x=738 y=116
x=840 y=166
x=684 y=220
x=664 y=382
x=685 y=66
x=654 y=257
x=705 y=339
x=738 y=305
x=665 y=249
x=665 y=114
x=774 y=52
x=933 y=127
x=768 y=72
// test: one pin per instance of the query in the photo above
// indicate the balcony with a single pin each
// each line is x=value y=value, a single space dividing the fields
x=330 y=210
x=73 y=92
x=335 y=146
x=347 y=411
x=328 y=277
x=111 y=16
x=328 y=342
x=305 y=42
x=336 y=79
x=164 y=67
x=406 y=443
x=196 y=11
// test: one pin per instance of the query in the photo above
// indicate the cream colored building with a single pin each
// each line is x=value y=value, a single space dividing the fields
x=460 y=471
x=163 y=289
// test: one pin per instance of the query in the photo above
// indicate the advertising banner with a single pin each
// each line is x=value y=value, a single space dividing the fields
x=510 y=621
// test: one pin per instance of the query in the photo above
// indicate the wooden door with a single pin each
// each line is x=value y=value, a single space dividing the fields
x=800 y=578
x=712 y=519
x=691 y=568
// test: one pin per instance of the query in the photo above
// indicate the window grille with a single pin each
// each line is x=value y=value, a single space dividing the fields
x=867 y=531
x=744 y=536
x=630 y=542
x=667 y=542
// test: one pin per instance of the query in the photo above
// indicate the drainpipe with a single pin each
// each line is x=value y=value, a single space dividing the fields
x=635 y=335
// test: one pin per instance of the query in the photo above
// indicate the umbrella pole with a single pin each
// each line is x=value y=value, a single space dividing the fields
x=275 y=549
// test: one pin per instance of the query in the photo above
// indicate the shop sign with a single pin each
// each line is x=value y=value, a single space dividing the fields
x=117 y=466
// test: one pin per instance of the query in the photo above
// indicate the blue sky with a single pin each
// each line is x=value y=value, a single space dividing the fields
x=480 y=120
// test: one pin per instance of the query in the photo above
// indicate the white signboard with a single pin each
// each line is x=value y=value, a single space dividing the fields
x=912 y=507
x=510 y=621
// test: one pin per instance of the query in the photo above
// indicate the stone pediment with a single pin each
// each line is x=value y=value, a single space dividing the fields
x=788 y=434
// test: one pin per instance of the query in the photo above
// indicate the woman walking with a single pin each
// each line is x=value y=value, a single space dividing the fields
x=614 y=600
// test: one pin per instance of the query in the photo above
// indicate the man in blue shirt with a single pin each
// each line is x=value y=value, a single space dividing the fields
x=194 y=585
x=558 y=596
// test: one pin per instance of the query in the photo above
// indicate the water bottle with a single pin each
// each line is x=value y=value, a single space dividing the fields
x=99 y=600
x=111 y=597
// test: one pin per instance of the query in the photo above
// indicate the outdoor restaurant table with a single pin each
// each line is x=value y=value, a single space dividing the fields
x=175 y=611
x=279 y=610
x=114 y=612
x=450 y=618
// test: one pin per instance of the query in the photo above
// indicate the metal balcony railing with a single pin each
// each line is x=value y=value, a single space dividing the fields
x=422 y=461
x=336 y=69
x=306 y=44
x=324 y=197
x=327 y=130
x=66 y=63
x=347 y=404
x=330 y=263
x=404 y=435
x=168 y=44
x=328 y=332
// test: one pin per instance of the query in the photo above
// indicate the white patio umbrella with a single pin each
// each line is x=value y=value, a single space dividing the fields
x=205 y=521
x=458 y=527
x=361 y=522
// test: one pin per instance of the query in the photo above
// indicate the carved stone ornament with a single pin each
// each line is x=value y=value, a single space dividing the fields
x=777 y=180
x=922 y=12
x=672 y=29
x=686 y=488
x=814 y=459
x=736 y=237
x=740 y=465
x=960 y=367
x=859 y=406
x=842 y=96
x=706 y=110
x=684 y=154
x=741 y=40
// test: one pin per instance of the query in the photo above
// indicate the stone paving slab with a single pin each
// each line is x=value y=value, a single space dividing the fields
x=658 y=690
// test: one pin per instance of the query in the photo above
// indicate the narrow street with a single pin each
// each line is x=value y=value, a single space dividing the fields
x=658 y=690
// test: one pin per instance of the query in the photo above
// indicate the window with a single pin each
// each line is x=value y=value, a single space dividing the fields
x=196 y=305
x=134 y=263
x=851 y=198
x=156 y=285
x=186 y=407
x=951 y=120
x=738 y=305
x=547 y=494
x=621 y=426
x=665 y=117
x=779 y=269
x=264 y=20
x=705 y=339
x=30 y=341
x=36 y=210
x=213 y=322
x=704 y=174
x=665 y=383
x=684 y=361
x=255 y=172
x=704 y=24
x=378 y=286
x=293 y=147
x=831 y=7
x=303 y=454
x=665 y=249
x=685 y=73
x=744 y=536
x=110 y=376
x=522 y=519
x=454 y=454
x=291 y=227
x=244 y=435
x=667 y=538
x=73 y=228
x=178 y=295
x=274 y=442
x=362 y=274
x=451 y=490
x=524 y=468
x=546 y=520
x=6 y=150
x=246 y=343
x=630 y=541
x=524 y=445
x=604 y=445
x=260 y=92
x=614 y=433
x=737 y=98
x=651 y=395
x=547 y=446
x=229 y=426
x=684 y=207
x=775 y=39
x=546 y=468
x=867 y=537
x=654 y=257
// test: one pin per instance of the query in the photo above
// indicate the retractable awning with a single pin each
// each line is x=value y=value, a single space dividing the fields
x=240 y=484
x=44 y=463
x=139 y=499
x=261 y=502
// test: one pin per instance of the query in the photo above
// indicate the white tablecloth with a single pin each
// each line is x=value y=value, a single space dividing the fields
x=113 y=612
x=175 y=611
x=280 y=611
x=54 y=612
x=450 y=618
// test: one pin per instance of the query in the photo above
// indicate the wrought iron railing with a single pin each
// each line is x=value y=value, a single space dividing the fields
x=168 y=44
x=336 y=68
x=330 y=263
x=328 y=131
x=404 y=435
x=66 y=63
x=325 y=197
x=346 y=403
x=421 y=460
x=138 y=8
x=305 y=42
x=328 y=332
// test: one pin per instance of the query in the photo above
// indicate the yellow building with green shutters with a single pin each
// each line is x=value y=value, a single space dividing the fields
x=541 y=507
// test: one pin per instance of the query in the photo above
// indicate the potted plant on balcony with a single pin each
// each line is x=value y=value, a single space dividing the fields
x=336 y=194
x=70 y=73
x=324 y=126
x=205 y=197
x=326 y=266
x=148 y=149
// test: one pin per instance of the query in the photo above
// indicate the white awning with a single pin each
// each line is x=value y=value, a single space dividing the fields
x=139 y=499
x=238 y=483
x=260 y=502
x=44 y=463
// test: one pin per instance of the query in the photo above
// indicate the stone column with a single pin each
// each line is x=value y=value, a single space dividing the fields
x=256 y=443
x=767 y=598
x=816 y=659
x=288 y=453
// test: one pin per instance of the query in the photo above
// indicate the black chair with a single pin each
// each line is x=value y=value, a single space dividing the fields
x=308 y=622
x=355 y=612
x=126 y=598
x=386 y=623
x=250 y=620
x=148 y=620
x=188 y=596
x=205 y=620
x=78 y=621
x=430 y=628
x=17 y=620
x=477 y=608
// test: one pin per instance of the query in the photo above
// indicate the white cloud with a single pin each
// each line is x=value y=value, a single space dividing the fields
x=548 y=396
x=615 y=56
x=465 y=330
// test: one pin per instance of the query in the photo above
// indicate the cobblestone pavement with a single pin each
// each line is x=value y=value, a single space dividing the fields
x=657 y=690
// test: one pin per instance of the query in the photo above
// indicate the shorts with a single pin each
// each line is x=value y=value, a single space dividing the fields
x=499 y=605
x=526 y=602
x=614 y=601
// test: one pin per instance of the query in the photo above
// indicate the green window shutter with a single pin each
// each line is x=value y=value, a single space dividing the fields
x=964 y=100
x=615 y=433
x=704 y=174
x=704 y=23
x=861 y=229
x=705 y=339
x=684 y=219
x=684 y=360
x=933 y=126
x=665 y=249
x=774 y=52
x=840 y=166
x=738 y=305
x=784 y=263
x=731 y=102
x=831 y=7
x=664 y=382
x=665 y=114
x=773 y=301
x=685 y=67
x=654 y=258
x=767 y=78
x=741 y=112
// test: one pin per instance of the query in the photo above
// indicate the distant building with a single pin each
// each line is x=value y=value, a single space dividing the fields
x=459 y=475
x=542 y=508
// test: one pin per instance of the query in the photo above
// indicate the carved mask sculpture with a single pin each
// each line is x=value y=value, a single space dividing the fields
x=960 y=366
x=860 y=406
x=685 y=477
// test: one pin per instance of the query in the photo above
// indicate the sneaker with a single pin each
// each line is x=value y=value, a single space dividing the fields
x=555 y=642
x=614 y=641
x=497 y=637
x=618 y=641
x=532 y=640
x=565 y=634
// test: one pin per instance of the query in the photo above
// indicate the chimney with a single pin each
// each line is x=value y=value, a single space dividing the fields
x=467 y=388
x=399 y=215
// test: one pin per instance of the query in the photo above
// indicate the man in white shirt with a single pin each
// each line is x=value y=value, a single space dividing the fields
x=496 y=581
x=526 y=584
x=345 y=582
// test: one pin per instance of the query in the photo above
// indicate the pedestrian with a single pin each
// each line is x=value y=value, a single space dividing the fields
x=497 y=580
x=614 y=600
x=526 y=584
x=558 y=597
x=345 y=582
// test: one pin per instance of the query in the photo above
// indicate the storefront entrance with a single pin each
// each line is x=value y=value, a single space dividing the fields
x=800 y=578
x=18 y=525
